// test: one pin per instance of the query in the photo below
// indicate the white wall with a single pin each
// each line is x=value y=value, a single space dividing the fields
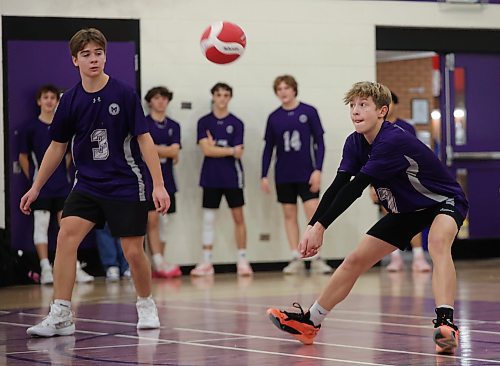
x=326 y=45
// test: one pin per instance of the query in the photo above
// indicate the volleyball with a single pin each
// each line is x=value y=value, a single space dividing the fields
x=223 y=42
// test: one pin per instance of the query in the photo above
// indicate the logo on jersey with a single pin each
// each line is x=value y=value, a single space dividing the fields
x=303 y=118
x=114 y=109
x=229 y=129
x=385 y=194
x=170 y=132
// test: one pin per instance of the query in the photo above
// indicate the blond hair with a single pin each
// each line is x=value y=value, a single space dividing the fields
x=380 y=94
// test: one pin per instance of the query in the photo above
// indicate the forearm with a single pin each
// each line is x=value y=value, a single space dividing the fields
x=344 y=198
x=51 y=160
x=266 y=159
x=217 y=151
x=319 y=154
x=341 y=179
x=171 y=151
x=150 y=157
x=25 y=165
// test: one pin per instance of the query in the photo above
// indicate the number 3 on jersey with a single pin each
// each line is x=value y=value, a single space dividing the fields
x=292 y=141
x=101 y=137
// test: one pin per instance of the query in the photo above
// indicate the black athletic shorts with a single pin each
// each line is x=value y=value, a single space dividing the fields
x=124 y=218
x=213 y=196
x=288 y=192
x=399 y=228
x=171 y=209
x=52 y=204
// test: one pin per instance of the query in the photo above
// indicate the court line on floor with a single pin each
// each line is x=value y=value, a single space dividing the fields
x=330 y=319
x=189 y=343
x=249 y=336
x=333 y=319
x=337 y=345
x=355 y=312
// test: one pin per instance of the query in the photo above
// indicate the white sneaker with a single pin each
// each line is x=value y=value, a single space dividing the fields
x=127 y=274
x=58 y=322
x=113 y=273
x=320 y=266
x=294 y=267
x=396 y=264
x=147 y=314
x=203 y=269
x=46 y=276
x=81 y=275
x=243 y=268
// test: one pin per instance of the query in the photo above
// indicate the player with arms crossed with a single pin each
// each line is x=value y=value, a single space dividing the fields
x=105 y=123
x=417 y=191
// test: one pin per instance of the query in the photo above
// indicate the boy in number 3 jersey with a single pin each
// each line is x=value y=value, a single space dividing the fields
x=105 y=123
x=417 y=191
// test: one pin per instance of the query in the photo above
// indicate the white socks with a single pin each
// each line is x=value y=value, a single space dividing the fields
x=295 y=254
x=317 y=313
x=207 y=255
x=44 y=263
x=65 y=303
x=157 y=260
x=242 y=254
x=418 y=252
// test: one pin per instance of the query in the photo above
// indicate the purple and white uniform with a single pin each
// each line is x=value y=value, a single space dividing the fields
x=297 y=135
x=103 y=129
x=405 y=126
x=405 y=173
x=224 y=172
x=35 y=139
x=165 y=133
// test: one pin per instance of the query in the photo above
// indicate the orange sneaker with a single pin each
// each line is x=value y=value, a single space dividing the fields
x=446 y=338
x=297 y=324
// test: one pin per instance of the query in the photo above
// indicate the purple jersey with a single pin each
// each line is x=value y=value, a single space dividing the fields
x=35 y=139
x=297 y=135
x=405 y=173
x=405 y=126
x=165 y=133
x=224 y=172
x=103 y=129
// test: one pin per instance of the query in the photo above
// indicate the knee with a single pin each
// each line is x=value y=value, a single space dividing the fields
x=132 y=253
x=439 y=245
x=290 y=215
x=352 y=262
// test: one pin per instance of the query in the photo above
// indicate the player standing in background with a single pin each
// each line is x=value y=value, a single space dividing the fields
x=35 y=140
x=220 y=136
x=295 y=130
x=110 y=143
x=166 y=134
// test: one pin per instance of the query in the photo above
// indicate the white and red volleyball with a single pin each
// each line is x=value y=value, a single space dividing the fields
x=223 y=42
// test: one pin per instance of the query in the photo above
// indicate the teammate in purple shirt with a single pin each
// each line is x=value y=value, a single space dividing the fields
x=295 y=131
x=220 y=136
x=166 y=134
x=396 y=263
x=416 y=189
x=104 y=121
x=35 y=140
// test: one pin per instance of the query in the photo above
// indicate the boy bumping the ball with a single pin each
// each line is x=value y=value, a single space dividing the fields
x=105 y=123
x=417 y=191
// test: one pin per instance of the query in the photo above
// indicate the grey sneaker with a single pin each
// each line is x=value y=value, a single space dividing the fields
x=147 y=314
x=58 y=322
